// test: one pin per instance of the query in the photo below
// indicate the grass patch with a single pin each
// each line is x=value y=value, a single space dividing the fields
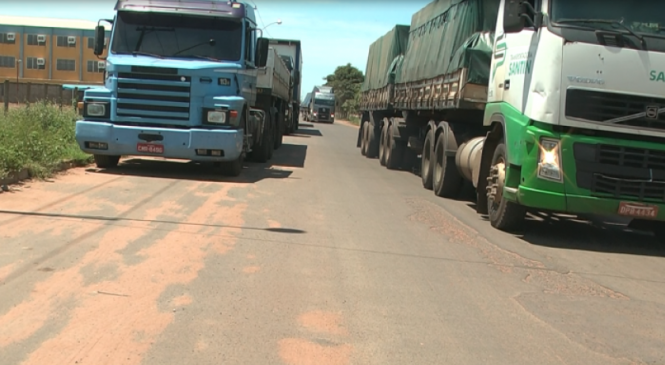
x=354 y=119
x=39 y=138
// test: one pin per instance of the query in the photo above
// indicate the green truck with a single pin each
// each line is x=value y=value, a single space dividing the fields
x=553 y=106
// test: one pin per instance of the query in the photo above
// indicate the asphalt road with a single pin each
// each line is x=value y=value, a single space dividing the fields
x=322 y=257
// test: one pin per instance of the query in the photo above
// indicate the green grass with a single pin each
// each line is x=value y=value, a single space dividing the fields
x=354 y=119
x=38 y=137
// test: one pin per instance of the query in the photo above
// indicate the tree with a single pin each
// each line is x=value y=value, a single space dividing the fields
x=346 y=82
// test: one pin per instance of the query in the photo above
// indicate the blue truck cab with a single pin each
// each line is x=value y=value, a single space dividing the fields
x=180 y=83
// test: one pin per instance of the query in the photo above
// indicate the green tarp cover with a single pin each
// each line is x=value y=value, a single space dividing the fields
x=447 y=35
x=381 y=55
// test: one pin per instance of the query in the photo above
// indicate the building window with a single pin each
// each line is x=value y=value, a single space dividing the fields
x=8 y=38
x=34 y=63
x=66 y=41
x=91 y=42
x=7 y=61
x=93 y=66
x=36 y=40
x=65 y=65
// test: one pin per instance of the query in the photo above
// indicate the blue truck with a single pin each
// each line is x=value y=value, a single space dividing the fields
x=180 y=83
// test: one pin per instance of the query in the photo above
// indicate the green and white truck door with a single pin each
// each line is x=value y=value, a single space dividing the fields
x=512 y=61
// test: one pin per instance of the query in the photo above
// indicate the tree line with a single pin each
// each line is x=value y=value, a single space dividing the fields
x=346 y=81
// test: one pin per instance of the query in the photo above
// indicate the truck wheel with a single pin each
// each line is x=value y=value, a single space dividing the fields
x=232 y=168
x=426 y=163
x=263 y=151
x=503 y=214
x=446 y=179
x=372 y=142
x=105 y=161
x=383 y=144
x=394 y=152
x=279 y=132
x=363 y=138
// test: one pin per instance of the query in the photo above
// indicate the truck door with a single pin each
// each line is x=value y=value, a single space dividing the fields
x=512 y=63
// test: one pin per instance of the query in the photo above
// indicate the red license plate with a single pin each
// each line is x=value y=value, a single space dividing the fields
x=637 y=210
x=150 y=148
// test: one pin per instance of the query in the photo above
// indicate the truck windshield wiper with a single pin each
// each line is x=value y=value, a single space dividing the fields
x=203 y=57
x=143 y=31
x=606 y=21
x=136 y=53
x=211 y=42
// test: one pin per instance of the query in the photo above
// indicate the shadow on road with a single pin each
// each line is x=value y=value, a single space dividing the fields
x=122 y=219
x=590 y=233
x=288 y=155
x=306 y=133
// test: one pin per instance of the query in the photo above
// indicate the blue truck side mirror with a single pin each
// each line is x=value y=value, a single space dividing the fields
x=262 y=45
x=100 y=35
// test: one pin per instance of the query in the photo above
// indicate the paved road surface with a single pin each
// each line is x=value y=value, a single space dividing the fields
x=321 y=258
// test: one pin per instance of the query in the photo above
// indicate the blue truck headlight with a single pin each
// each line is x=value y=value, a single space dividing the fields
x=216 y=117
x=549 y=160
x=95 y=109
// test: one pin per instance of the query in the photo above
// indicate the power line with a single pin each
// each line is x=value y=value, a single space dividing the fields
x=263 y=24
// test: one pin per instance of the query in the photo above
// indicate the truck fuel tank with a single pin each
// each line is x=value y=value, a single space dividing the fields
x=468 y=158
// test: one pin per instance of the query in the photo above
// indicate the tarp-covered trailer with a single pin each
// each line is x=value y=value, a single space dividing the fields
x=448 y=57
x=385 y=54
x=435 y=69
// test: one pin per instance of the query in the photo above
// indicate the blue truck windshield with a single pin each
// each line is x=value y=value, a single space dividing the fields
x=177 y=35
x=646 y=17
x=325 y=102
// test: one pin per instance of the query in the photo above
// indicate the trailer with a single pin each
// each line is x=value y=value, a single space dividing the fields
x=273 y=86
x=304 y=107
x=530 y=108
x=291 y=51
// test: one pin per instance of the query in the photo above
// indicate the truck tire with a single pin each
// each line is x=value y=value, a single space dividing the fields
x=446 y=179
x=363 y=138
x=105 y=161
x=427 y=163
x=232 y=168
x=383 y=144
x=263 y=151
x=279 y=130
x=394 y=152
x=503 y=214
x=372 y=142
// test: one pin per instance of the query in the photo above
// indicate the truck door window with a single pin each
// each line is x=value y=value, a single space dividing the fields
x=250 y=34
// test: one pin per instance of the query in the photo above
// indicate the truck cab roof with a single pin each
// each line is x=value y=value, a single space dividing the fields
x=235 y=9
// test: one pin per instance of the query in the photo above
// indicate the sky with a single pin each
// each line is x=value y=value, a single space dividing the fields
x=333 y=32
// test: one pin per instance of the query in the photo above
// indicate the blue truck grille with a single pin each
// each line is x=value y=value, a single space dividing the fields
x=153 y=94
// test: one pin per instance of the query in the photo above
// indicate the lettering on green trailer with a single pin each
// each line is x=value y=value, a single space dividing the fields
x=657 y=76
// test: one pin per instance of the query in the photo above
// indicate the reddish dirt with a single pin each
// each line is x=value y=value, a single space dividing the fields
x=303 y=352
x=323 y=322
x=117 y=320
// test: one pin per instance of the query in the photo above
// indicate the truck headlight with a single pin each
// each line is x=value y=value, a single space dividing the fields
x=216 y=117
x=549 y=160
x=95 y=109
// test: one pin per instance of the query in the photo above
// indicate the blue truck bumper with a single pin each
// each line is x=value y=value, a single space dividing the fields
x=176 y=143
